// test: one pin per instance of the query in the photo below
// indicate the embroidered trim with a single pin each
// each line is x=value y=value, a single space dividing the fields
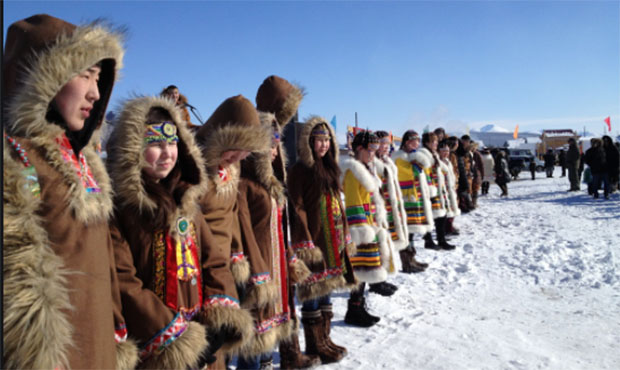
x=159 y=251
x=79 y=165
x=222 y=300
x=189 y=313
x=120 y=333
x=259 y=279
x=306 y=244
x=165 y=337
x=236 y=257
x=293 y=259
x=272 y=322
x=29 y=172
x=323 y=275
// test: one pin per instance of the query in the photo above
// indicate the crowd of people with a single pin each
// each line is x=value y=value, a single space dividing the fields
x=190 y=245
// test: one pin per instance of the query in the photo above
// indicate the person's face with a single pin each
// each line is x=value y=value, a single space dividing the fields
x=160 y=157
x=384 y=148
x=466 y=144
x=365 y=155
x=274 y=153
x=321 y=146
x=412 y=144
x=173 y=94
x=76 y=98
x=444 y=152
x=433 y=145
x=232 y=156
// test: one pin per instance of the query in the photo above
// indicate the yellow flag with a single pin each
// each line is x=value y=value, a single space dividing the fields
x=516 y=133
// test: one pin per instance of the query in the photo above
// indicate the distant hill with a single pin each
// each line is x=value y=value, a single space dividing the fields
x=493 y=128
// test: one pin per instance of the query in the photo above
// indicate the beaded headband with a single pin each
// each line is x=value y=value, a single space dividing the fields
x=320 y=133
x=373 y=147
x=385 y=140
x=275 y=139
x=160 y=131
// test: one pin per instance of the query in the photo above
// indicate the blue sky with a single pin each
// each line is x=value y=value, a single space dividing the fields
x=399 y=65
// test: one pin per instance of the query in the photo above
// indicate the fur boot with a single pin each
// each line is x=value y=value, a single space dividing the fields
x=328 y=315
x=314 y=332
x=292 y=358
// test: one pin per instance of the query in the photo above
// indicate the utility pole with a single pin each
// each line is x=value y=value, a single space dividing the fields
x=355 y=119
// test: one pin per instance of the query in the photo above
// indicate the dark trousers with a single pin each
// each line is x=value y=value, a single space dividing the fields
x=549 y=171
x=573 y=176
x=597 y=178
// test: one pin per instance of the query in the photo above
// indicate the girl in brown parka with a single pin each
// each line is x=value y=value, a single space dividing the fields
x=166 y=258
x=61 y=302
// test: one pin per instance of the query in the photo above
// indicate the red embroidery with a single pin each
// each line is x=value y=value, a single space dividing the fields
x=79 y=165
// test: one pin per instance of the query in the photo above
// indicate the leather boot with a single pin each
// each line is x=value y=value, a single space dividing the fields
x=292 y=358
x=429 y=243
x=441 y=234
x=328 y=315
x=314 y=332
x=450 y=229
x=357 y=314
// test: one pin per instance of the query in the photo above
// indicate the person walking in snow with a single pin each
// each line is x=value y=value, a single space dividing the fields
x=533 y=167
x=478 y=172
x=395 y=206
x=596 y=160
x=465 y=174
x=573 y=163
x=549 y=162
x=562 y=161
x=502 y=176
x=320 y=234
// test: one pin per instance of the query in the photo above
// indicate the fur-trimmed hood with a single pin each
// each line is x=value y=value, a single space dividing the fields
x=278 y=96
x=42 y=54
x=234 y=125
x=258 y=166
x=304 y=150
x=125 y=159
x=423 y=159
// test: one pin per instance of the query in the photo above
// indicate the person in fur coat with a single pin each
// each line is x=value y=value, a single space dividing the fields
x=61 y=299
x=414 y=185
x=366 y=216
x=281 y=98
x=452 y=203
x=439 y=192
x=231 y=133
x=319 y=233
x=261 y=200
x=387 y=171
x=171 y=272
x=453 y=144
x=488 y=163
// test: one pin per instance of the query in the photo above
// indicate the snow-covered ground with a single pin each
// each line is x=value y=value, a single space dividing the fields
x=533 y=284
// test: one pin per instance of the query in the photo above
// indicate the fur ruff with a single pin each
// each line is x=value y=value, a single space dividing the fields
x=182 y=353
x=267 y=341
x=387 y=167
x=37 y=332
x=126 y=355
x=437 y=190
x=48 y=71
x=239 y=320
x=290 y=106
x=298 y=271
x=303 y=143
x=371 y=276
x=261 y=295
x=363 y=234
x=370 y=182
x=310 y=256
x=387 y=250
x=312 y=291
x=426 y=159
x=126 y=158
x=240 y=271
x=215 y=140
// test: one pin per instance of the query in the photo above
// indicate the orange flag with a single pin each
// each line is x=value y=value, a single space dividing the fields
x=516 y=133
x=608 y=122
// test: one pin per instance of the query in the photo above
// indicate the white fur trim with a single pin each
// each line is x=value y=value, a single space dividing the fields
x=386 y=167
x=363 y=234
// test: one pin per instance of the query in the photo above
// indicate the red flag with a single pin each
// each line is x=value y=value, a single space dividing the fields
x=608 y=122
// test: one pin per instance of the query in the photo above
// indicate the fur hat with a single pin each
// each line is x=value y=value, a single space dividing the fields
x=235 y=125
x=278 y=96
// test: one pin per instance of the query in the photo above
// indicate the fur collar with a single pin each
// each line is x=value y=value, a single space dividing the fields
x=126 y=160
x=424 y=157
x=368 y=180
x=303 y=143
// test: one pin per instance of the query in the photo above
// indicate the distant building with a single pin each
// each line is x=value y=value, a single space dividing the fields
x=499 y=139
x=555 y=139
